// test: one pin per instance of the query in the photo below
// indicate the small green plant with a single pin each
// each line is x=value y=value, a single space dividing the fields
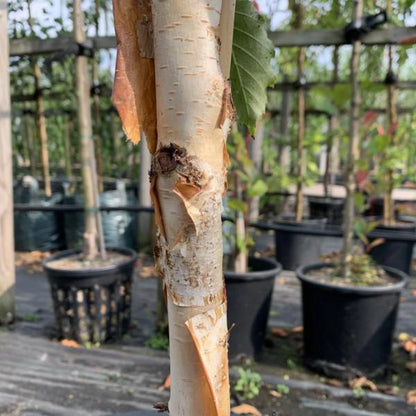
x=291 y=364
x=364 y=272
x=89 y=345
x=158 y=341
x=359 y=391
x=114 y=377
x=30 y=317
x=283 y=389
x=248 y=384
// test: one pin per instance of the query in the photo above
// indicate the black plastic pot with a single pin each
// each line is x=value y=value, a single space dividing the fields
x=92 y=305
x=348 y=331
x=120 y=227
x=395 y=251
x=299 y=244
x=36 y=230
x=331 y=209
x=249 y=296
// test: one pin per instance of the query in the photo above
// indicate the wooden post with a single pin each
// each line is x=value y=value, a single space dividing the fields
x=6 y=196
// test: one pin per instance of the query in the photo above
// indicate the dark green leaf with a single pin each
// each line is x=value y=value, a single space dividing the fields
x=251 y=71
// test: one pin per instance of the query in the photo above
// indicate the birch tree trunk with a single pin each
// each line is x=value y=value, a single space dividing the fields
x=180 y=80
x=188 y=184
x=7 y=279
x=188 y=175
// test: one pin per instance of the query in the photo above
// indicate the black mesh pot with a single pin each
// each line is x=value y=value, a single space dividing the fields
x=348 y=331
x=92 y=305
x=249 y=296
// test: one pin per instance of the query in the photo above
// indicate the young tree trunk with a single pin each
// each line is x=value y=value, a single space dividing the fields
x=115 y=141
x=7 y=279
x=93 y=236
x=96 y=105
x=333 y=121
x=300 y=154
x=30 y=140
x=256 y=156
x=285 y=107
x=188 y=175
x=300 y=163
x=40 y=117
x=353 y=149
x=391 y=120
x=69 y=130
x=188 y=184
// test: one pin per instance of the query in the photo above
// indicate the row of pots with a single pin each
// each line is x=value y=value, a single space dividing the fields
x=347 y=330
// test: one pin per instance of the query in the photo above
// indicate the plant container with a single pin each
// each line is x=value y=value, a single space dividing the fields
x=301 y=243
x=348 y=330
x=396 y=251
x=331 y=209
x=92 y=305
x=120 y=227
x=249 y=296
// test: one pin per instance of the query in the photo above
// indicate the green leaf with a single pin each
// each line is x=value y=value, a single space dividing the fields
x=237 y=205
x=258 y=188
x=251 y=71
x=341 y=94
x=359 y=201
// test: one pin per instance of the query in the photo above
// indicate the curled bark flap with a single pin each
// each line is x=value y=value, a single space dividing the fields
x=209 y=333
x=134 y=92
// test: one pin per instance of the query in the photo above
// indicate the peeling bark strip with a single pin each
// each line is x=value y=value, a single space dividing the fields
x=134 y=82
x=188 y=177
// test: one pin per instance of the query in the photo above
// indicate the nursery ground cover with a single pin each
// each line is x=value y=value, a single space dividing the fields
x=40 y=376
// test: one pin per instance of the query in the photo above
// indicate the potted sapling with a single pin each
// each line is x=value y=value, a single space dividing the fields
x=350 y=306
x=397 y=230
x=91 y=287
x=249 y=280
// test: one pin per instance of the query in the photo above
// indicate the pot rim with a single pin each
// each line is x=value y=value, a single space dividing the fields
x=358 y=290
x=273 y=271
x=93 y=270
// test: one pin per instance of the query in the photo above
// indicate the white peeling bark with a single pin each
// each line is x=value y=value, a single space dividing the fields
x=188 y=177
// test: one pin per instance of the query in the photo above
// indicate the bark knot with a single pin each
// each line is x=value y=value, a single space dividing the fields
x=175 y=158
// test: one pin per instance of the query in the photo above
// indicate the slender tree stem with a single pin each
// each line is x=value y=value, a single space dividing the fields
x=352 y=150
x=93 y=236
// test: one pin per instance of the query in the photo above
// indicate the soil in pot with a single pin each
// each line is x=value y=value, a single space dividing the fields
x=348 y=330
x=92 y=300
x=248 y=298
